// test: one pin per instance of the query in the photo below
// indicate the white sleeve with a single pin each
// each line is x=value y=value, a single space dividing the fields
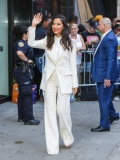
x=73 y=66
x=35 y=43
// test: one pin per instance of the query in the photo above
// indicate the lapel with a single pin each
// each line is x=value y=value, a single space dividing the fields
x=102 y=38
x=98 y=46
x=52 y=57
x=59 y=53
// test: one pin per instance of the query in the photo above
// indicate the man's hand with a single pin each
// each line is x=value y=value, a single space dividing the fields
x=74 y=90
x=88 y=43
x=79 y=53
x=107 y=83
x=30 y=61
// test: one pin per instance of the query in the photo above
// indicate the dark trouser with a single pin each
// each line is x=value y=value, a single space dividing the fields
x=25 y=106
x=37 y=80
x=106 y=106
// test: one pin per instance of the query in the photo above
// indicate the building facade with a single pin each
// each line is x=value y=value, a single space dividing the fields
x=14 y=12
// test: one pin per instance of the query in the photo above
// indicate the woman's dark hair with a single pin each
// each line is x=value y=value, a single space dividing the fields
x=73 y=18
x=118 y=21
x=19 y=30
x=81 y=28
x=65 y=39
x=116 y=26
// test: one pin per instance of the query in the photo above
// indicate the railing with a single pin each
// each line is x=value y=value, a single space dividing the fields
x=43 y=61
x=87 y=57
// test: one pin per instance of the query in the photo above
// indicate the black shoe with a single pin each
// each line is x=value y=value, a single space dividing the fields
x=32 y=122
x=111 y=120
x=20 y=120
x=100 y=129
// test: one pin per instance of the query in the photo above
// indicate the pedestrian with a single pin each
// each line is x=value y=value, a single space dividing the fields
x=91 y=37
x=97 y=18
x=23 y=73
x=38 y=53
x=114 y=22
x=104 y=73
x=80 y=46
x=59 y=79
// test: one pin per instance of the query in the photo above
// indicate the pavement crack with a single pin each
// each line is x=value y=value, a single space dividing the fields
x=113 y=151
x=8 y=113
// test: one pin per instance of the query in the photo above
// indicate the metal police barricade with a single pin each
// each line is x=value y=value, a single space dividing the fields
x=87 y=84
x=42 y=60
x=87 y=57
x=87 y=88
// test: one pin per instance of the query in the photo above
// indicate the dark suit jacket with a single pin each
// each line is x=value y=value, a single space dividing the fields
x=105 y=60
x=39 y=34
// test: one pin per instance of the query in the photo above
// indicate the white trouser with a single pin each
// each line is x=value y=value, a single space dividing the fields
x=52 y=108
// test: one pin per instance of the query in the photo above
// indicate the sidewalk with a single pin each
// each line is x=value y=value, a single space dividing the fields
x=27 y=142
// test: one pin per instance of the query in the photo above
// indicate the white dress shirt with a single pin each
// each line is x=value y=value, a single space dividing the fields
x=56 y=47
x=102 y=37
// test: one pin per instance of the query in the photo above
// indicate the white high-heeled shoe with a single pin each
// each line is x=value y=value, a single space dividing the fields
x=67 y=146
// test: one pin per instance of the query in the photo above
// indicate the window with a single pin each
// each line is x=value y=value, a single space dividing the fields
x=53 y=7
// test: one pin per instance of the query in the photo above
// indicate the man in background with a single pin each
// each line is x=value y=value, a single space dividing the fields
x=91 y=36
x=97 y=18
x=113 y=23
x=104 y=73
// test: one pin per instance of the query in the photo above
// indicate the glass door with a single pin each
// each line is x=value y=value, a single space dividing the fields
x=4 y=88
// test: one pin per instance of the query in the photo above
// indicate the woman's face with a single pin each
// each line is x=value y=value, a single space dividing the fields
x=73 y=30
x=25 y=36
x=117 y=30
x=57 y=27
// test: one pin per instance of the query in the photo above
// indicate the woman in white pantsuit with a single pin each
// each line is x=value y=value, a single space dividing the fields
x=59 y=79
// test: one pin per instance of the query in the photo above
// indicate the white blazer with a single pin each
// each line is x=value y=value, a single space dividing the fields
x=64 y=64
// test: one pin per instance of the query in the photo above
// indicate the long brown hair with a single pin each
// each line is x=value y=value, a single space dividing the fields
x=65 y=39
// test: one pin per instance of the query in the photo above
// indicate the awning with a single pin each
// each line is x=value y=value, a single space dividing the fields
x=85 y=12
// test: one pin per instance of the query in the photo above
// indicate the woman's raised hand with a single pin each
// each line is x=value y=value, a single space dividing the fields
x=37 y=19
